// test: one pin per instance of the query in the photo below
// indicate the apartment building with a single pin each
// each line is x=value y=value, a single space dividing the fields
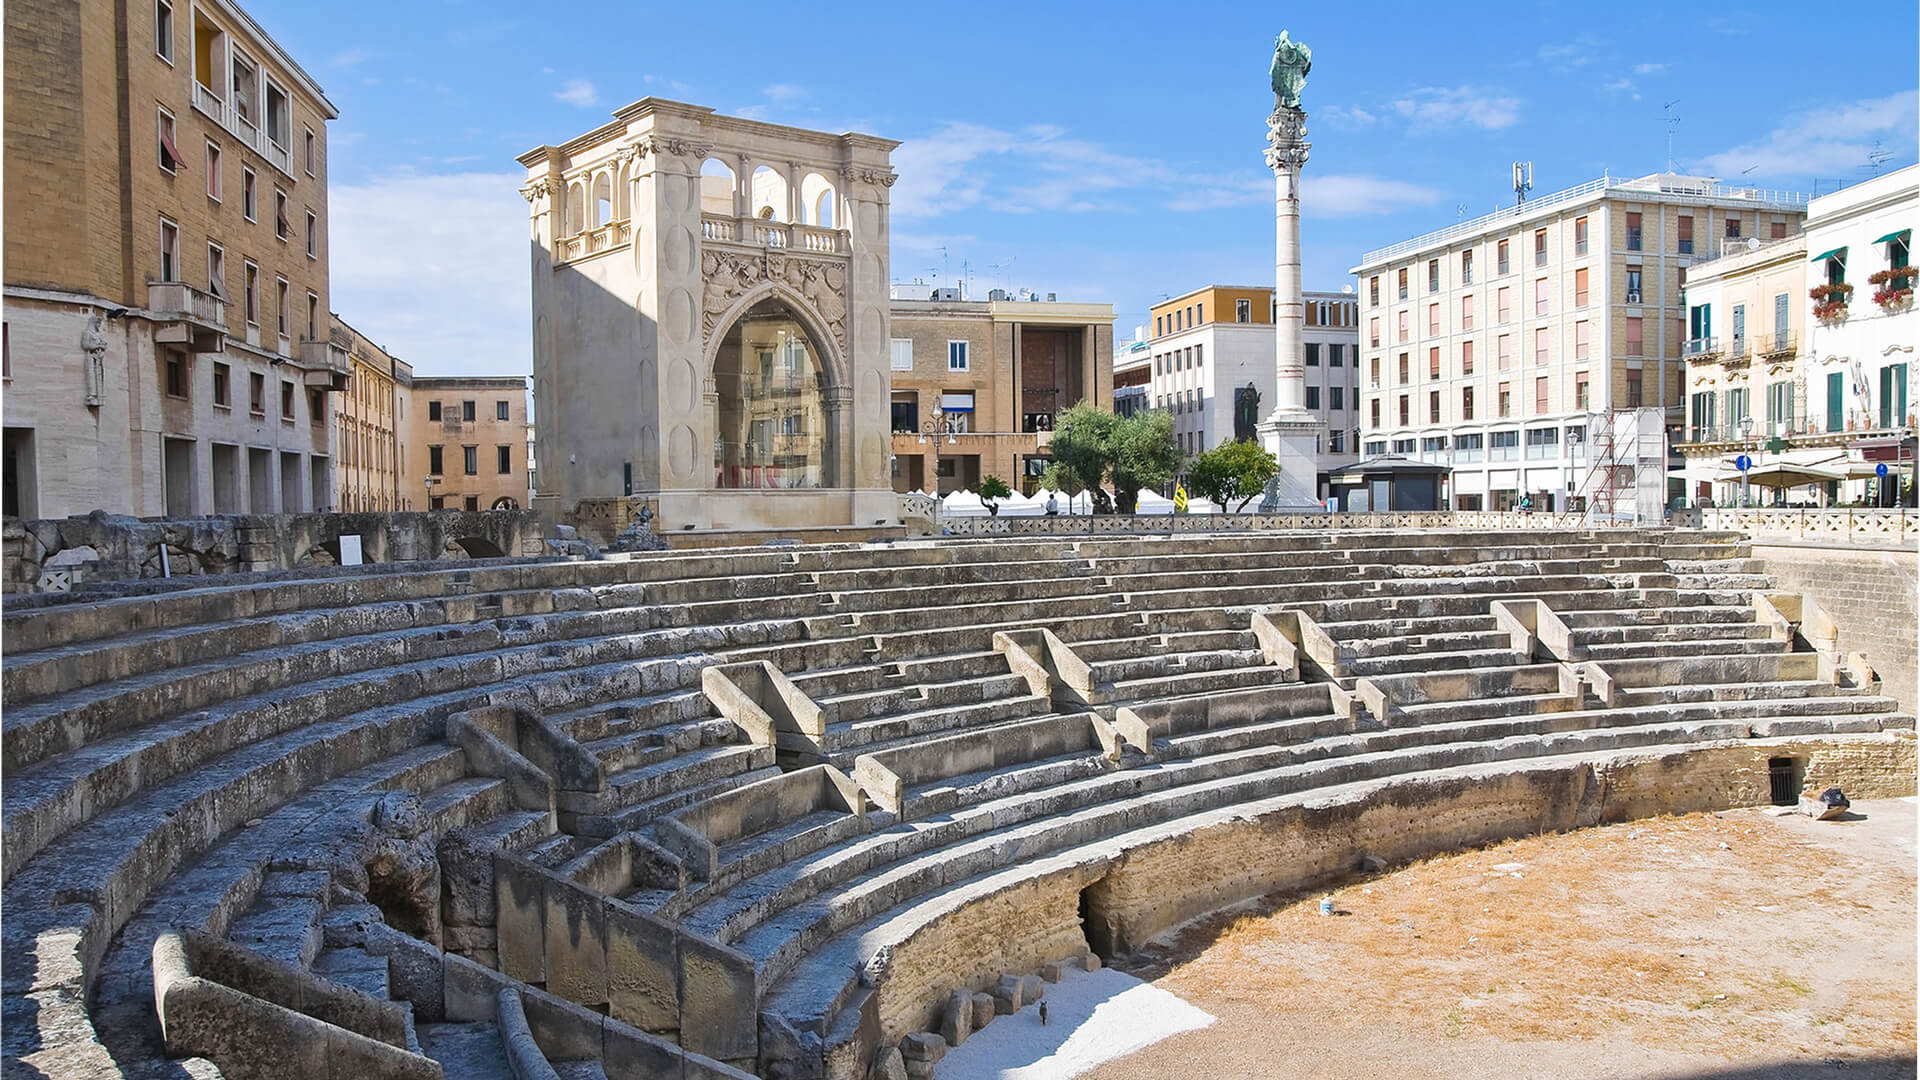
x=1212 y=344
x=467 y=442
x=166 y=341
x=1800 y=349
x=370 y=421
x=976 y=385
x=1496 y=346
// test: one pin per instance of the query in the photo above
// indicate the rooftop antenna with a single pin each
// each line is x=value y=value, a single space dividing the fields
x=1877 y=157
x=1459 y=211
x=1522 y=181
x=1673 y=121
x=943 y=262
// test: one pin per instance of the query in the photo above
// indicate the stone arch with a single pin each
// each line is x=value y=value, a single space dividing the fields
x=602 y=199
x=479 y=547
x=505 y=502
x=770 y=188
x=718 y=184
x=576 y=210
x=622 y=193
x=777 y=414
x=819 y=201
x=833 y=361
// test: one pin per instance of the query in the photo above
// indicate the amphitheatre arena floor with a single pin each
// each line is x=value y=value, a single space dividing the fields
x=1731 y=945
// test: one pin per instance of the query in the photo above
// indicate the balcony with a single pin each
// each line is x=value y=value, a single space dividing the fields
x=187 y=316
x=614 y=234
x=1736 y=354
x=324 y=363
x=762 y=233
x=1775 y=346
x=210 y=103
x=1704 y=349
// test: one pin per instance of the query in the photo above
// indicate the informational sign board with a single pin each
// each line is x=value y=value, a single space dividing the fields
x=350 y=550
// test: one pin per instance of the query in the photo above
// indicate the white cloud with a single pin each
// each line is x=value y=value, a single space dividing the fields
x=1649 y=69
x=785 y=92
x=435 y=267
x=1335 y=195
x=1830 y=140
x=1458 y=106
x=1567 y=55
x=351 y=58
x=1623 y=86
x=1345 y=117
x=578 y=92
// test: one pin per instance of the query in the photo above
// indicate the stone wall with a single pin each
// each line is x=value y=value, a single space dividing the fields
x=58 y=555
x=1871 y=594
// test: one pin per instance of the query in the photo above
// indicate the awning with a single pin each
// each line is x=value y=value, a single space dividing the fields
x=1900 y=234
x=956 y=402
x=1781 y=474
x=1837 y=253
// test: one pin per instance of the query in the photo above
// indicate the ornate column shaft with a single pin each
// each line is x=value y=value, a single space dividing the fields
x=1287 y=148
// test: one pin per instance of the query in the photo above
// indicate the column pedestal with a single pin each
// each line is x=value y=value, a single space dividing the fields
x=1294 y=440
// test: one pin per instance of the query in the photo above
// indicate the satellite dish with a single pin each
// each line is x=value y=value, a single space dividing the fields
x=1753 y=243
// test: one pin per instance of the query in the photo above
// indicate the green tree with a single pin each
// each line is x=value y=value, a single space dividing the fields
x=1232 y=474
x=1142 y=455
x=1091 y=448
x=1080 y=452
x=992 y=490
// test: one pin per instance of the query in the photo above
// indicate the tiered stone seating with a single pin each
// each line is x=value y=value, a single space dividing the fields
x=266 y=766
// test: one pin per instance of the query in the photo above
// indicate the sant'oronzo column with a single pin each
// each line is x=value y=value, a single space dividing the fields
x=1290 y=432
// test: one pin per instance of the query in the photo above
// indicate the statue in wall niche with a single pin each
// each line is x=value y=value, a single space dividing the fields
x=1291 y=62
x=93 y=343
x=1246 y=412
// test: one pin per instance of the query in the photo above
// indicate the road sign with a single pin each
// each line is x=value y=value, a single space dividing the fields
x=1743 y=463
x=1880 y=470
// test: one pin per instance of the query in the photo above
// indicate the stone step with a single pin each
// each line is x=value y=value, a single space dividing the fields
x=1164 y=665
x=844 y=741
x=856 y=706
x=751 y=762
x=1413 y=662
x=1694 y=646
x=1183 y=641
x=1179 y=684
x=470 y=1051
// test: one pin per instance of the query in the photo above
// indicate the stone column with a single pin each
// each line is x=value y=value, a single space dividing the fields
x=1291 y=433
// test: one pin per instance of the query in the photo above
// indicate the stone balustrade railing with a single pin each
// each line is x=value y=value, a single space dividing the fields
x=1121 y=524
x=1895 y=526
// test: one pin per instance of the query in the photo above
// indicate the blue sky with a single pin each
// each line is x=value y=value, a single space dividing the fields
x=1105 y=152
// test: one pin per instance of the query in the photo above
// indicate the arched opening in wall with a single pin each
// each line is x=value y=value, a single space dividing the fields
x=771 y=428
x=817 y=198
x=622 y=194
x=479 y=547
x=769 y=194
x=576 y=210
x=602 y=200
x=504 y=502
x=716 y=189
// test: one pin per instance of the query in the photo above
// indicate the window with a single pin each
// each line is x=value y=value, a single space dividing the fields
x=1685 y=232
x=286 y=400
x=1634 y=396
x=1337 y=438
x=1374 y=367
x=252 y=286
x=1777 y=230
x=900 y=354
x=1540 y=295
x=313 y=235
x=1433 y=319
x=1406 y=372
x=1466 y=268
x=1781 y=330
x=1433 y=275
x=1373 y=291
x=1374 y=406
x=1900 y=250
x=1580 y=287
x=1733 y=227
x=283 y=294
x=213 y=171
x=316 y=405
x=222 y=385
x=503 y=459
x=1313 y=354
x=310 y=154
x=1506 y=404
x=1636 y=336
x=1333 y=355
x=1199 y=314
x=1780 y=408
x=435 y=459
x=500 y=410
x=1541 y=336
x=1466 y=403
x=1580 y=390
x=1580 y=236
x=1503 y=304
x=1433 y=362
x=471 y=503
x=169 y=251
x=1503 y=351
x=1406 y=410
x=1403 y=326
x=433 y=413
x=1581 y=330
x=468 y=411
x=1836 y=401
x=1466 y=312
x=957 y=356
x=163 y=30
x=1373 y=331
x=1633 y=284
x=313 y=317
x=256 y=393
x=1334 y=396
x=1466 y=357
x=1243 y=311
x=1433 y=406
x=248 y=191
x=281 y=228
x=216 y=271
x=1540 y=394
x=1633 y=231
x=1376 y=447
x=1313 y=397
x=176 y=373
x=277 y=117
x=169 y=154
x=1403 y=283
x=1893 y=395
x=1501 y=262
x=1158 y=327
x=1540 y=247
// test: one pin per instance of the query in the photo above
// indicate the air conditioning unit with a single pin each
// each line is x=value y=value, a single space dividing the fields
x=1633 y=298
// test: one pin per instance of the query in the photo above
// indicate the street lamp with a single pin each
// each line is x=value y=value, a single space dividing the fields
x=941 y=422
x=1746 y=449
x=431 y=480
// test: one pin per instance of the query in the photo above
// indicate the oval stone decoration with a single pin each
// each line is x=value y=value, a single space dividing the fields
x=680 y=453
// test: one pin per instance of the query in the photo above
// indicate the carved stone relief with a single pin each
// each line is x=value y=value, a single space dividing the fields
x=729 y=276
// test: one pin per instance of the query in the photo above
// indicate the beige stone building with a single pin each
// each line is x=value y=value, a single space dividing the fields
x=369 y=424
x=976 y=385
x=167 y=348
x=1517 y=348
x=710 y=321
x=466 y=442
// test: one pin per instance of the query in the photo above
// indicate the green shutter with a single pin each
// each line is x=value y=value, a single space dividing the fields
x=1836 y=402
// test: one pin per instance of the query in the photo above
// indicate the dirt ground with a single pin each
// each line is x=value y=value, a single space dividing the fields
x=1733 y=945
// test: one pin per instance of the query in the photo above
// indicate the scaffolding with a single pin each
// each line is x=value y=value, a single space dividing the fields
x=1626 y=479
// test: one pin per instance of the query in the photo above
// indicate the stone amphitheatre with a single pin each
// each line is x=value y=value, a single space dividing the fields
x=802 y=811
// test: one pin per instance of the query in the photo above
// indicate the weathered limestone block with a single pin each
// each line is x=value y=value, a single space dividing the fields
x=923 y=1046
x=643 y=969
x=985 y=1008
x=956 y=1023
x=888 y=1065
x=1007 y=996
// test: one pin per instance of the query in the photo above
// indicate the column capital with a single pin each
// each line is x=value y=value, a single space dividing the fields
x=1287 y=143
